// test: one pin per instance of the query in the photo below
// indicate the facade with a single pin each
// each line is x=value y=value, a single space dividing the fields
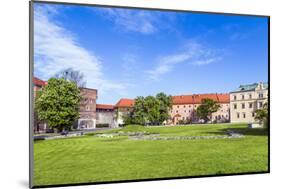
x=105 y=115
x=122 y=108
x=246 y=100
x=238 y=106
x=87 y=109
x=184 y=108
x=38 y=84
x=39 y=127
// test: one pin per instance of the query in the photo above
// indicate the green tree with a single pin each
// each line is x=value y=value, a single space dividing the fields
x=150 y=110
x=152 y=107
x=165 y=104
x=140 y=115
x=207 y=107
x=261 y=115
x=58 y=103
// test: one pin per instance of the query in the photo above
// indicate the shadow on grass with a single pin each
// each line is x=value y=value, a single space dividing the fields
x=244 y=131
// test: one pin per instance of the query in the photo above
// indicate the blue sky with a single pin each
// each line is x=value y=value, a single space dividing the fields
x=126 y=53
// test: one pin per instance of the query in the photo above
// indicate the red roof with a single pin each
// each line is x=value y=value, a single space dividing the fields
x=104 y=106
x=39 y=82
x=125 y=102
x=197 y=98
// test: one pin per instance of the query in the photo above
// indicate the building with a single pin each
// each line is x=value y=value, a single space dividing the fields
x=39 y=126
x=105 y=115
x=38 y=84
x=122 y=108
x=87 y=109
x=184 y=108
x=245 y=100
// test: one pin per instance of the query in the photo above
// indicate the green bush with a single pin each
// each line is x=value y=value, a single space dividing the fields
x=102 y=125
x=38 y=138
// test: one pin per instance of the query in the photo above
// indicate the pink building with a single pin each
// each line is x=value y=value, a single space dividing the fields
x=184 y=107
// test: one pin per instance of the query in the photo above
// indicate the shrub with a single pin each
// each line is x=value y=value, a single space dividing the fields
x=38 y=138
x=102 y=125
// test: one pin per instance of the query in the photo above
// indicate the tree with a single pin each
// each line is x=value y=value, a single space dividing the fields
x=139 y=114
x=261 y=115
x=207 y=107
x=58 y=103
x=152 y=107
x=150 y=110
x=75 y=76
x=165 y=103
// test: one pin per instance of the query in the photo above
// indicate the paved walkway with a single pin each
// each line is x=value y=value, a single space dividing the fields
x=71 y=133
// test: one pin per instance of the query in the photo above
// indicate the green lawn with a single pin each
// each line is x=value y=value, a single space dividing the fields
x=93 y=159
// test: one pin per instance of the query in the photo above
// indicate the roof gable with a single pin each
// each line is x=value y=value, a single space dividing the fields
x=125 y=102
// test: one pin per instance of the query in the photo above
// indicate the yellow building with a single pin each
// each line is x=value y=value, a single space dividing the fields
x=246 y=100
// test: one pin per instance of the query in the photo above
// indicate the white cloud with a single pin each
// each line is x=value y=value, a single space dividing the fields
x=131 y=20
x=56 y=48
x=193 y=53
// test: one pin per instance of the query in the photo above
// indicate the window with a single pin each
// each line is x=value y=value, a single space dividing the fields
x=235 y=106
x=177 y=111
x=242 y=97
x=87 y=108
x=234 y=97
x=190 y=106
x=184 y=110
x=184 y=106
x=260 y=104
x=238 y=115
x=250 y=105
x=244 y=115
x=178 y=106
x=250 y=96
x=243 y=105
x=253 y=114
x=260 y=95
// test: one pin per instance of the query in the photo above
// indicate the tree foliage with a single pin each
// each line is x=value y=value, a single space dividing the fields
x=75 y=76
x=150 y=110
x=58 y=103
x=261 y=115
x=207 y=107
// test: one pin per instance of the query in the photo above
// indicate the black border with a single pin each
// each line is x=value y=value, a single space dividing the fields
x=31 y=55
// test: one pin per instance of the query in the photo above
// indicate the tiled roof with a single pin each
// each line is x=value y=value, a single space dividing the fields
x=250 y=87
x=104 y=106
x=197 y=98
x=39 y=82
x=125 y=102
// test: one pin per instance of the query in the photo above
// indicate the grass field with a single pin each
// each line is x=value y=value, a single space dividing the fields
x=93 y=159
